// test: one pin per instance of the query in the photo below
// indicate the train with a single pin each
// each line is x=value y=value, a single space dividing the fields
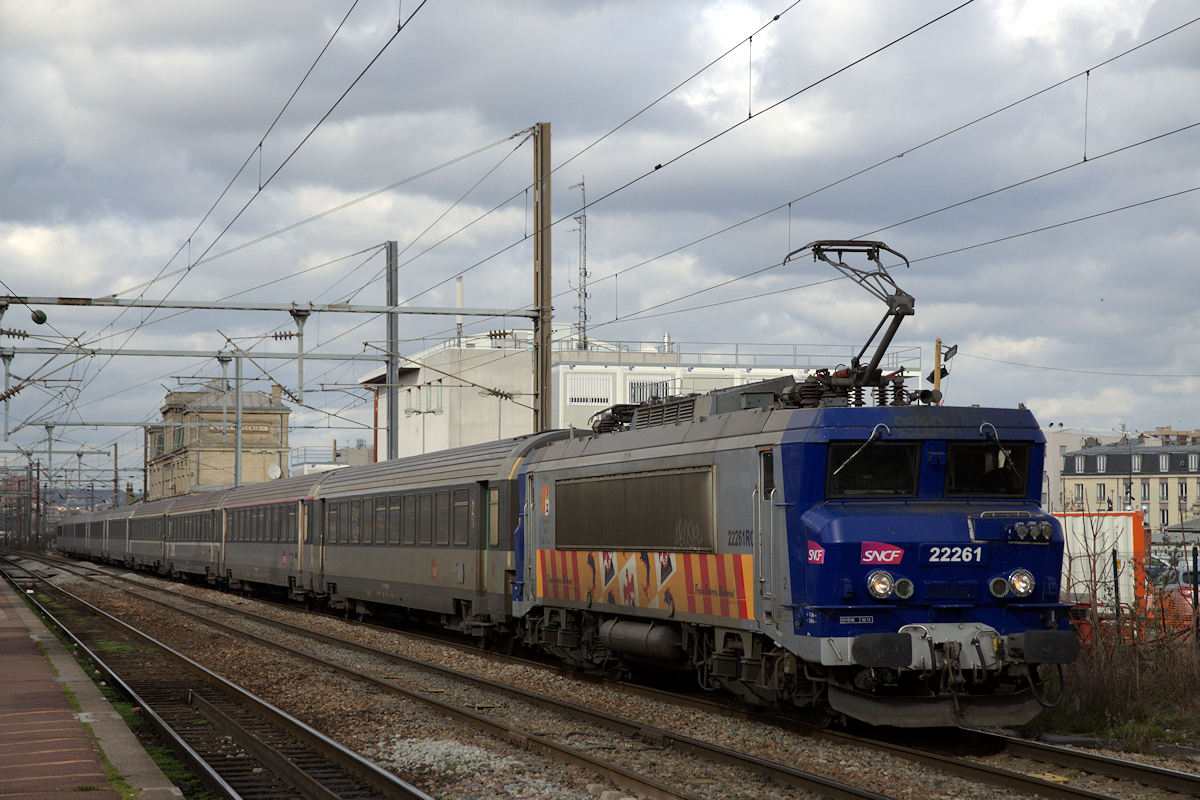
x=889 y=564
x=783 y=540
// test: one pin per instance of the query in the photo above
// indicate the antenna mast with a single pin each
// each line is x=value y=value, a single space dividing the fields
x=582 y=292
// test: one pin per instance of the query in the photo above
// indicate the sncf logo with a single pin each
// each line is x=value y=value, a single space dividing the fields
x=816 y=553
x=881 y=553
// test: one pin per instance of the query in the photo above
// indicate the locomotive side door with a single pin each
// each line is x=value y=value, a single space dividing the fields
x=765 y=549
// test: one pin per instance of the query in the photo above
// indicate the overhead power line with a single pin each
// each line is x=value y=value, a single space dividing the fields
x=401 y=25
x=639 y=315
x=704 y=142
x=1074 y=371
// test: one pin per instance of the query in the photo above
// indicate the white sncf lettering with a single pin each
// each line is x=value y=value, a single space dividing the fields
x=881 y=553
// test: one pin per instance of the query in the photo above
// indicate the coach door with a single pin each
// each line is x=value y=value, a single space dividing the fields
x=765 y=552
x=314 y=550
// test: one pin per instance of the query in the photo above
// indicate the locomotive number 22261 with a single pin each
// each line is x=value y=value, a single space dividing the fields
x=954 y=554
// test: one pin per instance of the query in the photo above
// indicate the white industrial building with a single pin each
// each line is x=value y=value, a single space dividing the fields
x=472 y=389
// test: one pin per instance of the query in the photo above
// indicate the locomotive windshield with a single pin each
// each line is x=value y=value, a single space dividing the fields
x=880 y=470
x=986 y=470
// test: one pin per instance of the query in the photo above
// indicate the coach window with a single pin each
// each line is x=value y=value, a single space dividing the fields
x=493 y=518
x=381 y=520
x=393 y=526
x=408 y=530
x=355 y=522
x=291 y=521
x=331 y=524
x=441 y=521
x=461 y=519
x=425 y=519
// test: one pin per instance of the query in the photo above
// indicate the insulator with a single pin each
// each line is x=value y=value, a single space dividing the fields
x=856 y=396
x=879 y=395
x=899 y=396
x=16 y=334
x=281 y=335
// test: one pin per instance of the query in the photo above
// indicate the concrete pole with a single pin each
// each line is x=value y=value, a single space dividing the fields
x=7 y=357
x=458 y=320
x=542 y=292
x=237 y=421
x=392 y=374
x=49 y=455
x=937 y=364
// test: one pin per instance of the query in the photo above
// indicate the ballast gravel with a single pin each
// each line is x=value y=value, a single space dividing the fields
x=450 y=760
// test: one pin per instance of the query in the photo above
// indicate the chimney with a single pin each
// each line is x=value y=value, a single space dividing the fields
x=276 y=393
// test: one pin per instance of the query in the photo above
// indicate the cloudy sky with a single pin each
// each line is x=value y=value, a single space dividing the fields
x=1034 y=160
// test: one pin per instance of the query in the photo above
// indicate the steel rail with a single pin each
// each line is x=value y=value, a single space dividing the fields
x=1185 y=783
x=1157 y=777
x=184 y=750
x=782 y=773
x=369 y=773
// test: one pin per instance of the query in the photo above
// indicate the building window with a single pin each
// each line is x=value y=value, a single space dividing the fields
x=1145 y=491
x=1164 y=463
x=1164 y=492
x=1101 y=463
x=1079 y=493
x=1183 y=491
x=1100 y=492
x=1129 y=492
x=641 y=391
x=1164 y=517
x=1193 y=462
x=1079 y=462
x=589 y=390
x=1137 y=462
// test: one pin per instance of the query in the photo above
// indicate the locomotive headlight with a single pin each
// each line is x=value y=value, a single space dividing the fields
x=1021 y=581
x=880 y=584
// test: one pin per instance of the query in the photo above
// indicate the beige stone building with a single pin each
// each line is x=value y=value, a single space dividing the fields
x=1160 y=479
x=193 y=448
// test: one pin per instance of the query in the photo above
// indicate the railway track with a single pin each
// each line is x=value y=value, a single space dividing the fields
x=1083 y=768
x=238 y=745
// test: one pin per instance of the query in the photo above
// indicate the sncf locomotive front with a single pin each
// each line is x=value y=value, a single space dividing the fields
x=924 y=574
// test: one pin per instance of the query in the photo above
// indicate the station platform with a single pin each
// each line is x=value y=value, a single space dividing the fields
x=47 y=748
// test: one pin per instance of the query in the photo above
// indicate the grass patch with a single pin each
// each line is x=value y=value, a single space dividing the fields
x=113 y=648
x=1134 y=689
